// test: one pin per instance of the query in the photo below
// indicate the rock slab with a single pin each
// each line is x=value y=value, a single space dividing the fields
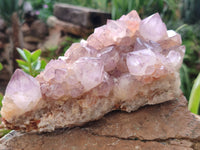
x=85 y=17
x=168 y=126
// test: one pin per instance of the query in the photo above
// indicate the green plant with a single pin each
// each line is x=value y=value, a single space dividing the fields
x=43 y=8
x=166 y=8
x=194 y=101
x=1 y=98
x=46 y=10
x=36 y=4
x=1 y=66
x=32 y=64
x=8 y=7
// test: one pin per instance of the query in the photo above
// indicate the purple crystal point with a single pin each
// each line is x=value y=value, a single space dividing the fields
x=21 y=88
x=152 y=28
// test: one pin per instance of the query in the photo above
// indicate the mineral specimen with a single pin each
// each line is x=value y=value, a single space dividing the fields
x=123 y=65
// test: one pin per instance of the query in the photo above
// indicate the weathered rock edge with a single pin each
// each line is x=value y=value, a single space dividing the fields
x=164 y=126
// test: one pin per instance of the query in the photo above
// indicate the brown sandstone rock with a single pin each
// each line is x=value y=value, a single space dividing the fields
x=168 y=126
x=39 y=29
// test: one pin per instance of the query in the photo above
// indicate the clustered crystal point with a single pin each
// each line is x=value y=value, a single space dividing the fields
x=115 y=62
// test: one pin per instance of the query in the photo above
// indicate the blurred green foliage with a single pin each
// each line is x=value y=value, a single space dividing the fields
x=166 y=8
x=189 y=69
x=1 y=66
x=43 y=8
x=1 y=98
x=191 y=11
x=8 y=7
x=31 y=63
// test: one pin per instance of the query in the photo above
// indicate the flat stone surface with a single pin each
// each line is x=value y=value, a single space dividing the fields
x=85 y=17
x=168 y=126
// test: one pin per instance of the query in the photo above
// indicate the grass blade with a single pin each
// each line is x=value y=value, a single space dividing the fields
x=195 y=96
x=1 y=66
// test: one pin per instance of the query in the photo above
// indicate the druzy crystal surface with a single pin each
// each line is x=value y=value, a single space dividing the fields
x=124 y=64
